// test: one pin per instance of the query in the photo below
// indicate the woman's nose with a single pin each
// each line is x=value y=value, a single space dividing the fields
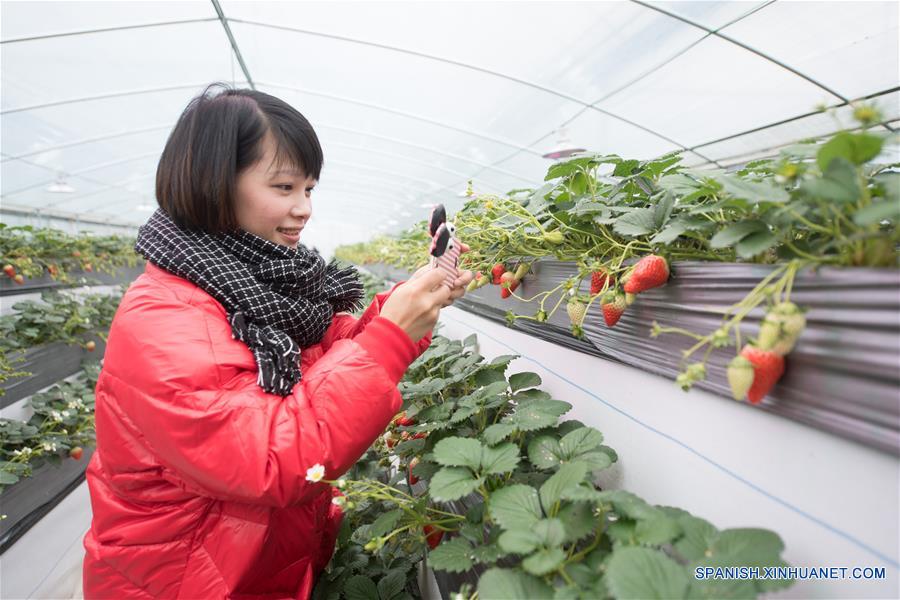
x=302 y=208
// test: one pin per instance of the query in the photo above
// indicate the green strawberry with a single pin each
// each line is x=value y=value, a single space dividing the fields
x=576 y=308
x=740 y=377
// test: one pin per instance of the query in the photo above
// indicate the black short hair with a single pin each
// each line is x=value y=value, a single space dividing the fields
x=218 y=136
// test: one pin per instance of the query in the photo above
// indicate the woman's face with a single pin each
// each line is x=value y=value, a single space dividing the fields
x=272 y=203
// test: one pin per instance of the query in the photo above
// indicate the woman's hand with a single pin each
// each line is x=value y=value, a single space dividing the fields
x=459 y=286
x=416 y=305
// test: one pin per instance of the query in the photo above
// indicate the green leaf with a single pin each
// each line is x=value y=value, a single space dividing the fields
x=857 y=148
x=508 y=584
x=875 y=213
x=838 y=184
x=458 y=452
x=550 y=532
x=7 y=478
x=657 y=530
x=579 y=520
x=568 y=476
x=452 y=556
x=520 y=381
x=669 y=234
x=537 y=415
x=544 y=561
x=736 y=232
x=752 y=191
x=748 y=545
x=487 y=554
x=580 y=441
x=515 y=507
x=360 y=587
x=755 y=243
x=452 y=483
x=663 y=210
x=698 y=537
x=503 y=360
x=637 y=222
x=544 y=452
x=385 y=523
x=645 y=574
x=497 y=433
x=463 y=413
x=499 y=459
x=392 y=584
x=519 y=541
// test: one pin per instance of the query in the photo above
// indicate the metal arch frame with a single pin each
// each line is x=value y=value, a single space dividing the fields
x=469 y=66
x=718 y=33
x=86 y=141
x=18 y=109
x=234 y=45
x=419 y=146
x=104 y=30
x=63 y=215
x=78 y=174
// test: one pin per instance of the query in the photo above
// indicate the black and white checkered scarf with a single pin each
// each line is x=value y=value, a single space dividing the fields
x=279 y=300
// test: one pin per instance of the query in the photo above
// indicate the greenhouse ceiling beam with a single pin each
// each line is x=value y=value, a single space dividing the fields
x=465 y=65
x=102 y=97
x=79 y=173
x=101 y=138
x=728 y=38
x=49 y=36
x=802 y=116
x=403 y=113
x=30 y=211
x=426 y=148
x=233 y=42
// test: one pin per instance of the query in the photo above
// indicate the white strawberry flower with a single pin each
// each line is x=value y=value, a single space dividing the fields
x=338 y=501
x=342 y=483
x=55 y=414
x=315 y=473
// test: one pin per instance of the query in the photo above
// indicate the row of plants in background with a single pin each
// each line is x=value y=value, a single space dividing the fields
x=479 y=472
x=626 y=222
x=30 y=252
x=57 y=317
x=62 y=425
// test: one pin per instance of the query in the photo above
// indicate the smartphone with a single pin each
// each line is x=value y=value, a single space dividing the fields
x=445 y=248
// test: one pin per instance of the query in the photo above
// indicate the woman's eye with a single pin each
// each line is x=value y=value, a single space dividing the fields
x=286 y=187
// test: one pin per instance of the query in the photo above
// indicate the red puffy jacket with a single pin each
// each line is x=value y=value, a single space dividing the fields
x=198 y=486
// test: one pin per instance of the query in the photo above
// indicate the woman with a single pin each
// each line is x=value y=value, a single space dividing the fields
x=231 y=370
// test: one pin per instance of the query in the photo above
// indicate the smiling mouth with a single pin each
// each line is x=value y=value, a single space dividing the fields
x=291 y=231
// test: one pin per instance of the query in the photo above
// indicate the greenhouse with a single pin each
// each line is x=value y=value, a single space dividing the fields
x=451 y=300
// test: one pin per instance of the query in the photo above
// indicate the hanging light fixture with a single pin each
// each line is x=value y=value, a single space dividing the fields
x=60 y=186
x=564 y=146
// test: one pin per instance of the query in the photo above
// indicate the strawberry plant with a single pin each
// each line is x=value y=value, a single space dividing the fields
x=57 y=317
x=501 y=486
x=61 y=425
x=30 y=252
x=626 y=223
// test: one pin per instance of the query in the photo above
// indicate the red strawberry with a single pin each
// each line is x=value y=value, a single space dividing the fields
x=76 y=254
x=649 y=272
x=508 y=279
x=87 y=267
x=498 y=270
x=19 y=279
x=10 y=271
x=412 y=479
x=599 y=279
x=76 y=452
x=432 y=536
x=405 y=421
x=390 y=441
x=768 y=368
x=613 y=306
x=420 y=436
x=505 y=293
x=90 y=346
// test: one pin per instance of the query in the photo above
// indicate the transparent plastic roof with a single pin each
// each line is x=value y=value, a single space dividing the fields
x=411 y=100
